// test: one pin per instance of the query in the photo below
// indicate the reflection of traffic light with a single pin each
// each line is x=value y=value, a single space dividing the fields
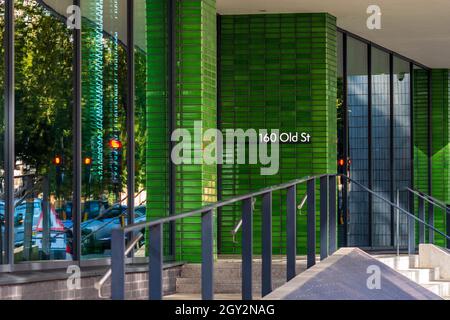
x=87 y=161
x=115 y=144
x=58 y=161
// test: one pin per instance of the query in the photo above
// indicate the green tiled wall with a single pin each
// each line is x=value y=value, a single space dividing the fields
x=420 y=133
x=157 y=151
x=441 y=143
x=195 y=101
x=420 y=107
x=278 y=71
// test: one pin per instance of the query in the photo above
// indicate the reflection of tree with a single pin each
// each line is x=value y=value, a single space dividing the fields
x=44 y=94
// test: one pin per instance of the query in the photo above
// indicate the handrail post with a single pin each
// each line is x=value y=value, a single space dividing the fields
x=332 y=213
x=291 y=232
x=447 y=227
x=411 y=230
x=311 y=223
x=247 y=249
x=323 y=217
x=207 y=256
x=421 y=217
x=117 y=264
x=155 y=253
x=398 y=223
x=266 y=275
x=431 y=222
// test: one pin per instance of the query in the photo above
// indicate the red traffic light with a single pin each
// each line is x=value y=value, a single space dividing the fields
x=87 y=161
x=341 y=162
x=57 y=160
x=115 y=144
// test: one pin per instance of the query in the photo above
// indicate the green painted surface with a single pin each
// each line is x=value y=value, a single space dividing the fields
x=441 y=144
x=195 y=101
x=278 y=72
x=420 y=132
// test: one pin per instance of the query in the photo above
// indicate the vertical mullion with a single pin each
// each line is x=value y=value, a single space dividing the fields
x=391 y=144
x=291 y=232
x=369 y=121
x=266 y=275
x=219 y=127
x=130 y=116
x=77 y=136
x=346 y=143
x=411 y=221
x=9 y=132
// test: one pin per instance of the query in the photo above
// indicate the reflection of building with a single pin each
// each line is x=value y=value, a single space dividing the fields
x=243 y=68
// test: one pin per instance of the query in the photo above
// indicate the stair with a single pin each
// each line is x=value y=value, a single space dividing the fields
x=227 y=276
x=426 y=277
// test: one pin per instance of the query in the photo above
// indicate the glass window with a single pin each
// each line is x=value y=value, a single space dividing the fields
x=103 y=124
x=43 y=133
x=381 y=142
x=357 y=105
x=2 y=134
x=140 y=129
x=402 y=137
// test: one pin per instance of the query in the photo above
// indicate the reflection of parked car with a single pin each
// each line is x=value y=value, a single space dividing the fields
x=93 y=208
x=97 y=233
x=57 y=236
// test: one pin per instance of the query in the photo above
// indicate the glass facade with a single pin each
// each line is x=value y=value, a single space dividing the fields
x=381 y=143
x=358 y=134
x=374 y=123
x=402 y=137
x=379 y=104
x=104 y=132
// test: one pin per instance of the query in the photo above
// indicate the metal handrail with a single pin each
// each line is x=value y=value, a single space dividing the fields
x=239 y=224
x=155 y=228
x=219 y=204
x=327 y=236
x=434 y=203
x=395 y=206
x=99 y=284
x=429 y=198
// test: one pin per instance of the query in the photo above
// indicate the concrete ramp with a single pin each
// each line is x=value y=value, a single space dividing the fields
x=345 y=276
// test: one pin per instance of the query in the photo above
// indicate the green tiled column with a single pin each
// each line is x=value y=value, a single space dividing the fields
x=441 y=143
x=195 y=102
x=278 y=71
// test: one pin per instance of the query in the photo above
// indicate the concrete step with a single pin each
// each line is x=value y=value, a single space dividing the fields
x=440 y=288
x=403 y=262
x=193 y=286
x=421 y=275
x=233 y=271
x=428 y=278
